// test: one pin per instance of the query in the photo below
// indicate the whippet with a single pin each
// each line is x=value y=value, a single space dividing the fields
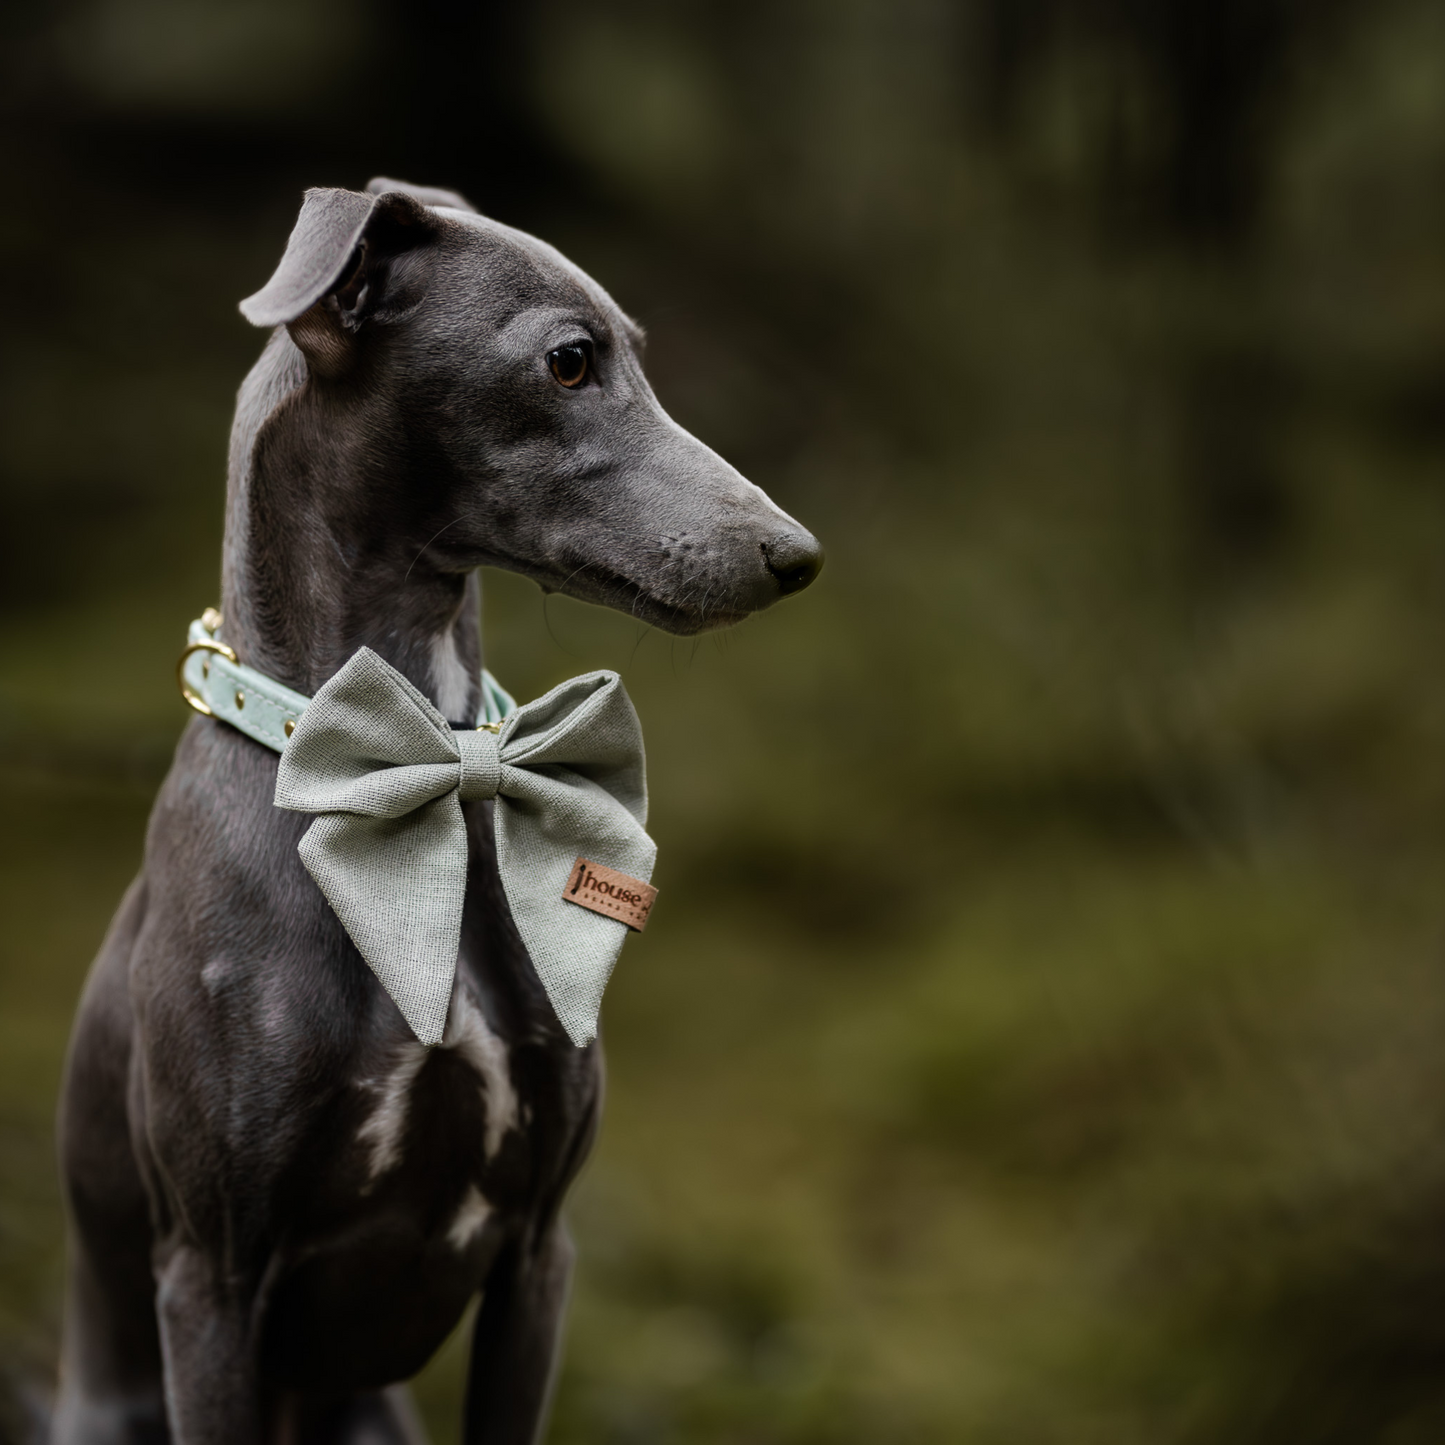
x=281 y=1203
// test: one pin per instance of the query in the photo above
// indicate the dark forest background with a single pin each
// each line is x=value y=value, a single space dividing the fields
x=1039 y=1036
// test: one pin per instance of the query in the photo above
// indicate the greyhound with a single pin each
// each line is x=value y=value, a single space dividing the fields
x=280 y=1202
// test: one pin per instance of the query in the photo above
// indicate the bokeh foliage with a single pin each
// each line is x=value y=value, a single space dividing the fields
x=1038 y=1037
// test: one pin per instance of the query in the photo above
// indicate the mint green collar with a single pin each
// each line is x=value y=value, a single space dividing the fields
x=217 y=685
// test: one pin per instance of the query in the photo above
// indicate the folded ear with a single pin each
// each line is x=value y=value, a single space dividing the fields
x=337 y=253
x=334 y=274
x=326 y=232
x=427 y=195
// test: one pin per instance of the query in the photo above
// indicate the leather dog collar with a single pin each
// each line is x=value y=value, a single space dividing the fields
x=387 y=774
x=217 y=684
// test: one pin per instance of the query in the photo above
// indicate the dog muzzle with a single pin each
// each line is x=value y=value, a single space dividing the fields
x=386 y=775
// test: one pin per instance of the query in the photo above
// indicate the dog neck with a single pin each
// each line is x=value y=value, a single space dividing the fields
x=326 y=547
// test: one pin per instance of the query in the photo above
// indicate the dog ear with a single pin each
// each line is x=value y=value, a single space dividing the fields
x=427 y=195
x=332 y=277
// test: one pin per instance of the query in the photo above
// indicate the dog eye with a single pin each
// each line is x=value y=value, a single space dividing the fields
x=570 y=364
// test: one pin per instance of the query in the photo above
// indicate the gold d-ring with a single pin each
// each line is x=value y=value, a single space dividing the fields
x=189 y=693
x=493 y=728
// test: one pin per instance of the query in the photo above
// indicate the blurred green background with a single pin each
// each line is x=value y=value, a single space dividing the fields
x=1039 y=1035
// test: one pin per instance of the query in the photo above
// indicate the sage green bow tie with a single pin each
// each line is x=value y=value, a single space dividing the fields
x=387 y=776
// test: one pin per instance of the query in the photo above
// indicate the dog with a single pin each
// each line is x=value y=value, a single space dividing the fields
x=280 y=1202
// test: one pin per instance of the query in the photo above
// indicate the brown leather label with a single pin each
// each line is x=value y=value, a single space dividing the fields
x=613 y=894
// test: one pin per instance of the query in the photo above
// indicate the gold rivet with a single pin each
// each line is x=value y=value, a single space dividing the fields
x=290 y=727
x=240 y=698
x=206 y=668
x=210 y=620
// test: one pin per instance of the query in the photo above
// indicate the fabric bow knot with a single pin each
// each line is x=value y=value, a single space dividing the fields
x=387 y=776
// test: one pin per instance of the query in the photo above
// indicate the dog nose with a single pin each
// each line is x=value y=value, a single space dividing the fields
x=794 y=559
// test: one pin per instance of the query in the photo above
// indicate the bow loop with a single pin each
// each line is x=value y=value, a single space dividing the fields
x=387 y=776
x=588 y=725
x=368 y=743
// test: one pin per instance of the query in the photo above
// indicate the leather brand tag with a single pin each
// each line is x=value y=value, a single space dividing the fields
x=613 y=894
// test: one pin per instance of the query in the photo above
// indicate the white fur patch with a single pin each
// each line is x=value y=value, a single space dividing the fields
x=469 y=1034
x=452 y=682
x=471 y=1219
x=384 y=1130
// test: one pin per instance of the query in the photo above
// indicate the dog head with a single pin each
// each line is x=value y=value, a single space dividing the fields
x=518 y=382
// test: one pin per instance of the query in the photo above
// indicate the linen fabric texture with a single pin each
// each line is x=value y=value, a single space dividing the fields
x=387 y=776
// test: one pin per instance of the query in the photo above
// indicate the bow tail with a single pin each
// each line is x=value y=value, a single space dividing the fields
x=398 y=886
x=573 y=950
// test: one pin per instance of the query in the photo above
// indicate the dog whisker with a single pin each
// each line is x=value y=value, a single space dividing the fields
x=462 y=518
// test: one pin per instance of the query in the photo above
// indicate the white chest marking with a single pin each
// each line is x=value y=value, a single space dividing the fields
x=469 y=1034
x=453 y=685
x=383 y=1130
x=471 y=1219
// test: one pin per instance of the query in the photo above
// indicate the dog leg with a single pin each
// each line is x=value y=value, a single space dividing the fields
x=367 y=1417
x=514 y=1342
x=212 y=1387
x=110 y=1385
x=110 y=1375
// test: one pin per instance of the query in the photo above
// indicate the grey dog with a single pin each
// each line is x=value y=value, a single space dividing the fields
x=281 y=1203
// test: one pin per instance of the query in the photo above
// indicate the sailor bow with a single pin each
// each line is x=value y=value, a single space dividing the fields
x=387 y=775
